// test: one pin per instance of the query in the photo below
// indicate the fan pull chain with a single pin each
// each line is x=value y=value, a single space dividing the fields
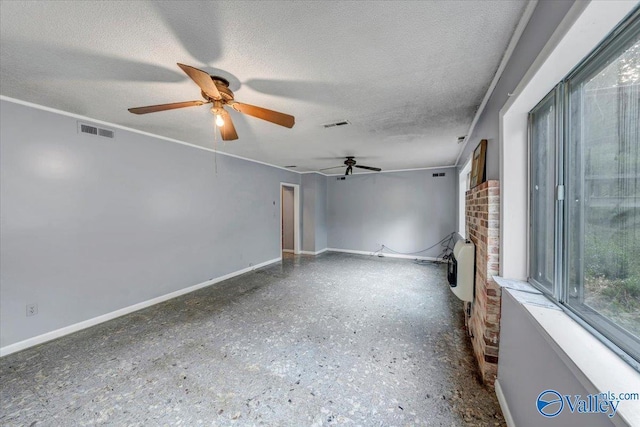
x=215 y=149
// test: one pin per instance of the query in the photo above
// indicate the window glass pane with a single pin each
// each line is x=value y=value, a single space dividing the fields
x=543 y=141
x=603 y=193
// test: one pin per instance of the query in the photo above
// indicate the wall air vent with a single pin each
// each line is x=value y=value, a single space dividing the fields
x=94 y=130
x=340 y=123
x=438 y=174
x=106 y=133
x=88 y=129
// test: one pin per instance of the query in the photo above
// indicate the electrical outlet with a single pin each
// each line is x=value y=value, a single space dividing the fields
x=32 y=309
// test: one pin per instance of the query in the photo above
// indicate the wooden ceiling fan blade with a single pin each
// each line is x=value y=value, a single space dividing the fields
x=368 y=168
x=228 y=130
x=203 y=80
x=262 y=113
x=164 y=107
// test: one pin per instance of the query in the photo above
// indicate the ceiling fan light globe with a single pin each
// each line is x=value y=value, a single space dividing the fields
x=219 y=120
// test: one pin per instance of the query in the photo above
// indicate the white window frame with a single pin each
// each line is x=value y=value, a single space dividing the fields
x=463 y=186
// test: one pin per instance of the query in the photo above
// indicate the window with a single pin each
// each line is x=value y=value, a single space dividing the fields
x=542 y=128
x=585 y=190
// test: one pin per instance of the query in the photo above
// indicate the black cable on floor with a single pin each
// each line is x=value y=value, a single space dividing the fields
x=443 y=257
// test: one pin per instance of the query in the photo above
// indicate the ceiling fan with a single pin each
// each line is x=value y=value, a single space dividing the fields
x=215 y=90
x=350 y=163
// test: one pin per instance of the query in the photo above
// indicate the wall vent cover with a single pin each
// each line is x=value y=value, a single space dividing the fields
x=334 y=124
x=106 y=133
x=438 y=174
x=88 y=129
x=94 y=130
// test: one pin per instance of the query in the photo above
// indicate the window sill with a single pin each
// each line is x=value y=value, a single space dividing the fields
x=594 y=365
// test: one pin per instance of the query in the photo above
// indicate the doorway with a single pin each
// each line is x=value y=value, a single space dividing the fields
x=289 y=218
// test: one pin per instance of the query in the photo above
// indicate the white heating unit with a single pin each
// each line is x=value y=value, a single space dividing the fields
x=461 y=270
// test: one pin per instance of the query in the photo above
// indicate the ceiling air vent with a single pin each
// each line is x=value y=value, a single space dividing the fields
x=94 y=130
x=340 y=123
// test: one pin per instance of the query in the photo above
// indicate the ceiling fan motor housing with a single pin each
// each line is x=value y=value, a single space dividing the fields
x=223 y=88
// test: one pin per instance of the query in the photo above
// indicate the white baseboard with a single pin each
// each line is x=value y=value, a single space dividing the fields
x=384 y=254
x=504 y=406
x=313 y=253
x=30 y=342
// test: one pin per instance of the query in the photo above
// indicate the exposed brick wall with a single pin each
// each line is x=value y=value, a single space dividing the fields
x=482 y=225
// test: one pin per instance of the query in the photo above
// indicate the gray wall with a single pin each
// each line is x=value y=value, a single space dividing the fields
x=544 y=20
x=405 y=211
x=528 y=365
x=314 y=208
x=321 y=213
x=287 y=218
x=91 y=225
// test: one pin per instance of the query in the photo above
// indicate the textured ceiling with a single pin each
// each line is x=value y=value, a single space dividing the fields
x=408 y=76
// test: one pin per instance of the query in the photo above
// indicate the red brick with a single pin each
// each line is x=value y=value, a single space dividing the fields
x=482 y=223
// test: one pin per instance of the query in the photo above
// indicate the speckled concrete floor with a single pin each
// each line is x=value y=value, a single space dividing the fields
x=330 y=340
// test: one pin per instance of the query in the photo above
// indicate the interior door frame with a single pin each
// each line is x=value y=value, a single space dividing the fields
x=297 y=235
